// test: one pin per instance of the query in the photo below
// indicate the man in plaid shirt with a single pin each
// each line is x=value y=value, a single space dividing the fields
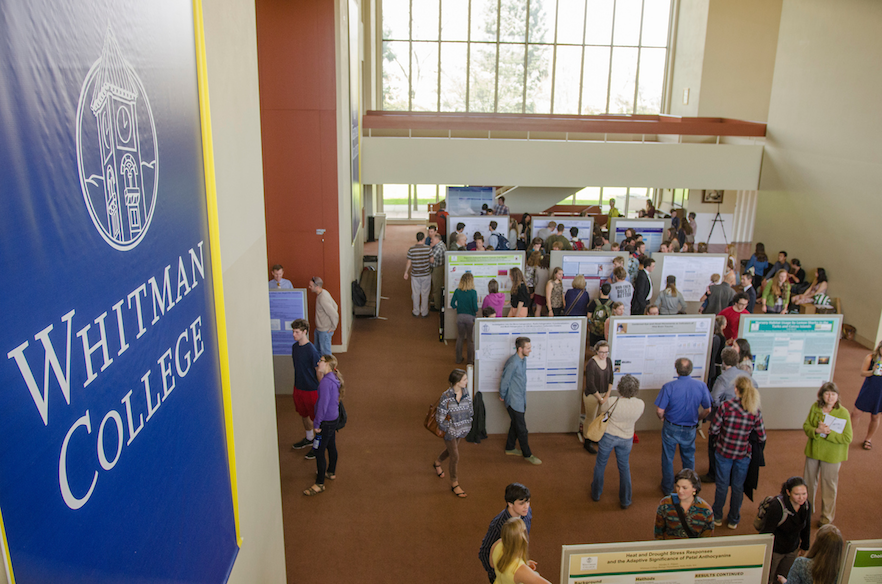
x=437 y=262
x=733 y=423
x=500 y=207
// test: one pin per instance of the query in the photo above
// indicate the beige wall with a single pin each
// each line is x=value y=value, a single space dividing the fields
x=689 y=56
x=232 y=69
x=821 y=171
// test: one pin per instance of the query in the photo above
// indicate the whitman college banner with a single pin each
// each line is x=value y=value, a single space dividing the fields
x=115 y=443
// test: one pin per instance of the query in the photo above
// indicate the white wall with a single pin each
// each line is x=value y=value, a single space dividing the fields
x=231 y=46
x=821 y=171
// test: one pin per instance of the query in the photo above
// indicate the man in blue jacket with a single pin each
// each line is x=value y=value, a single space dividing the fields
x=513 y=391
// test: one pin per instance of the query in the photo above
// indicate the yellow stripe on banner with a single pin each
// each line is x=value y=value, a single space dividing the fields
x=6 y=556
x=214 y=239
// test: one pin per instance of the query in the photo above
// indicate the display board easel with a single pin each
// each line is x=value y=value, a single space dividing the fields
x=653 y=230
x=862 y=563
x=554 y=369
x=740 y=559
x=596 y=266
x=647 y=347
x=693 y=272
x=286 y=306
x=793 y=356
x=484 y=266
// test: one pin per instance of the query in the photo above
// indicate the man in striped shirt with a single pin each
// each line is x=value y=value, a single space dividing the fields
x=419 y=270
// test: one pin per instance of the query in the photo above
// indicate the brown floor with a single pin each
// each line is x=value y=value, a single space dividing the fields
x=387 y=518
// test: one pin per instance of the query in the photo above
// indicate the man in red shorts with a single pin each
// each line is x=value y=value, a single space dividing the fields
x=305 y=357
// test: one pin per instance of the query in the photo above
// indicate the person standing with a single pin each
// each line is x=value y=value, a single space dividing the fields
x=870 y=397
x=599 y=310
x=554 y=293
x=598 y=383
x=789 y=519
x=719 y=296
x=510 y=556
x=776 y=295
x=437 y=262
x=465 y=303
x=624 y=411
x=501 y=208
x=613 y=212
x=278 y=282
x=827 y=448
x=327 y=409
x=733 y=422
x=733 y=316
x=622 y=290
x=452 y=239
x=681 y=404
x=670 y=300
x=693 y=226
x=520 y=295
x=419 y=270
x=454 y=416
x=643 y=286
x=513 y=392
x=326 y=317
x=305 y=358
x=748 y=290
x=517 y=504
x=821 y=564
x=683 y=513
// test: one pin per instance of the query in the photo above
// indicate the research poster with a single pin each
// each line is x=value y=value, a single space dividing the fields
x=693 y=272
x=584 y=224
x=715 y=562
x=863 y=562
x=596 y=267
x=468 y=200
x=792 y=351
x=556 y=360
x=653 y=231
x=484 y=266
x=481 y=224
x=648 y=347
x=286 y=306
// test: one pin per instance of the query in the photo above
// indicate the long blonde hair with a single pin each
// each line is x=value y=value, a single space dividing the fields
x=776 y=289
x=750 y=397
x=514 y=543
x=332 y=363
x=467 y=282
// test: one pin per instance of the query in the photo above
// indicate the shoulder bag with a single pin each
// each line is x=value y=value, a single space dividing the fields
x=431 y=423
x=597 y=428
x=682 y=515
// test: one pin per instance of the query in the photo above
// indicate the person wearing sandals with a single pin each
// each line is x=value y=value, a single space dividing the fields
x=870 y=397
x=327 y=408
x=454 y=416
x=624 y=411
x=683 y=513
x=826 y=449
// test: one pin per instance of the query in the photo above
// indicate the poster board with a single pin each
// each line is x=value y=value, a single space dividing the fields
x=596 y=266
x=653 y=230
x=480 y=223
x=741 y=559
x=484 y=266
x=692 y=270
x=862 y=563
x=647 y=347
x=793 y=356
x=468 y=200
x=554 y=369
x=286 y=306
x=585 y=225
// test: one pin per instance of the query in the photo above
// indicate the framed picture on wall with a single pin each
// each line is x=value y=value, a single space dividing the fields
x=711 y=196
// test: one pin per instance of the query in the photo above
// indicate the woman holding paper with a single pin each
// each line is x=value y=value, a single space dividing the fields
x=828 y=427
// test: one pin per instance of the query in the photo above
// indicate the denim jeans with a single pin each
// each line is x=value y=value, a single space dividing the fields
x=730 y=472
x=327 y=442
x=622 y=446
x=672 y=436
x=323 y=342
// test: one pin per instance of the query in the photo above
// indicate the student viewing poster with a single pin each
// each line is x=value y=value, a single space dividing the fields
x=484 y=266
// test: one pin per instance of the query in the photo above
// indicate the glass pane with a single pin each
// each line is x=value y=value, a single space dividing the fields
x=627 y=31
x=567 y=71
x=621 y=86
x=482 y=77
x=652 y=79
x=538 y=79
x=636 y=201
x=484 y=20
x=425 y=195
x=454 y=25
x=395 y=201
x=424 y=80
x=513 y=21
x=453 y=77
x=598 y=22
x=619 y=194
x=396 y=19
x=595 y=80
x=425 y=20
x=655 y=23
x=542 y=20
x=396 y=65
x=511 y=79
x=567 y=201
x=570 y=21
x=588 y=196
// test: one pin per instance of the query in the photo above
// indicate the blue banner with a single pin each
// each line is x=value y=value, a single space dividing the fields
x=113 y=458
x=286 y=306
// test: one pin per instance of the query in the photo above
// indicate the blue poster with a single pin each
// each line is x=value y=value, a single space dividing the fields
x=286 y=306
x=113 y=458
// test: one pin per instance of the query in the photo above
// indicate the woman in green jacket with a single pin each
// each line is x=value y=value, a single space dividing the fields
x=776 y=295
x=465 y=302
x=828 y=440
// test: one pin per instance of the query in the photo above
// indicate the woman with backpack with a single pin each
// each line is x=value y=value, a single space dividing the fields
x=788 y=517
x=671 y=300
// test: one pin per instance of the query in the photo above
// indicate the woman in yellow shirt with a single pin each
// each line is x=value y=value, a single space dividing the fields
x=509 y=556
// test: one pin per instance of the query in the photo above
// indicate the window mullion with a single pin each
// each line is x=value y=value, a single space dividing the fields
x=612 y=41
x=498 y=35
x=410 y=64
x=639 y=54
x=526 y=57
x=440 y=14
x=582 y=68
x=554 y=52
x=468 y=57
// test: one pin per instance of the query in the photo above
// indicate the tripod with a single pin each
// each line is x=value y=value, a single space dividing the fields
x=716 y=220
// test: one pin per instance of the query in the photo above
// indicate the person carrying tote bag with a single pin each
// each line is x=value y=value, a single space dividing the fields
x=454 y=416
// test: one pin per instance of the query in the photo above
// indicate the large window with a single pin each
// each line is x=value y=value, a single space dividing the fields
x=629 y=200
x=525 y=56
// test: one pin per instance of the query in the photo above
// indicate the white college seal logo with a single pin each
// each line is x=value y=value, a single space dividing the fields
x=116 y=149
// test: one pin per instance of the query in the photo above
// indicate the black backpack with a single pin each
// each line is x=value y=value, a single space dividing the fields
x=359 y=298
x=759 y=522
x=501 y=243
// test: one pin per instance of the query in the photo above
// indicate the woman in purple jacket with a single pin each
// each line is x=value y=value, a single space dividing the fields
x=330 y=393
